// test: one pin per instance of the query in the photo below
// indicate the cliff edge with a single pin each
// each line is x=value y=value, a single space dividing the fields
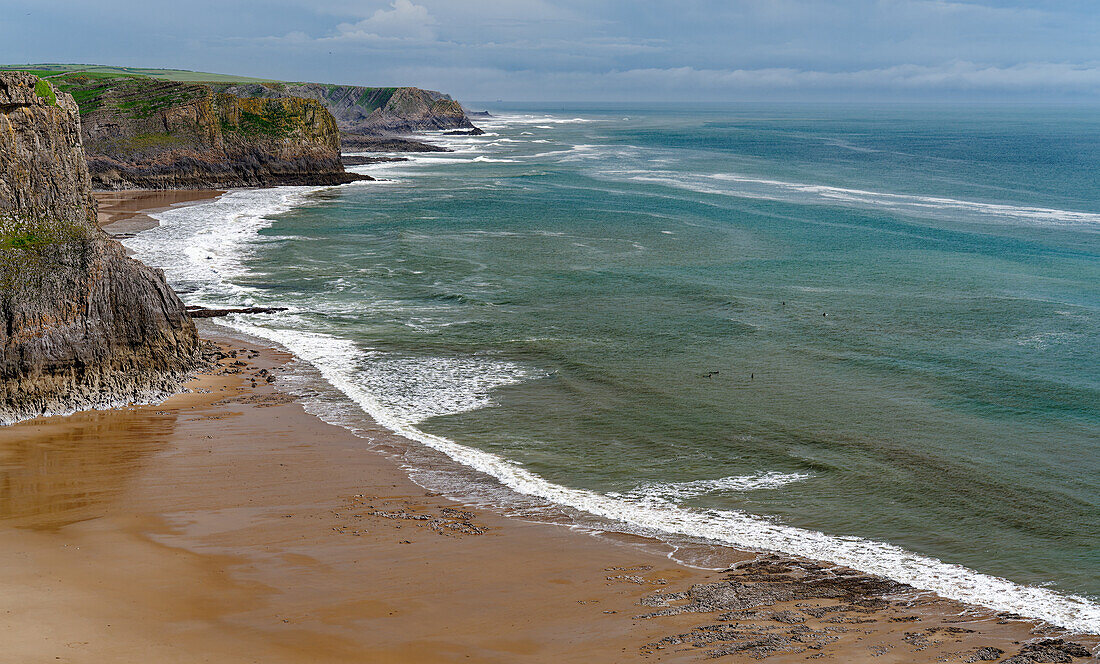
x=372 y=111
x=81 y=324
x=143 y=133
x=366 y=114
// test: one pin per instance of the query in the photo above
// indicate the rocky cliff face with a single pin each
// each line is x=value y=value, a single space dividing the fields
x=151 y=134
x=370 y=111
x=81 y=324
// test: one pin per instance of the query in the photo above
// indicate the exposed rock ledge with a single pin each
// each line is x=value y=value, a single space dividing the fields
x=143 y=133
x=81 y=324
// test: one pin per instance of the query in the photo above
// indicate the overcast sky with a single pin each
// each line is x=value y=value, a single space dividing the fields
x=565 y=50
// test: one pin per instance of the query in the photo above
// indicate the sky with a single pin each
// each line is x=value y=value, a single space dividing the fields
x=595 y=50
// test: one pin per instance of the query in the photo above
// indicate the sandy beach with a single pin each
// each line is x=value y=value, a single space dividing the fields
x=128 y=211
x=227 y=524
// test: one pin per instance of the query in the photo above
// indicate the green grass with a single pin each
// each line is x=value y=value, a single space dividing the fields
x=252 y=123
x=90 y=84
x=43 y=90
x=26 y=239
x=29 y=231
x=375 y=98
x=179 y=75
x=88 y=88
x=276 y=121
x=139 y=97
x=87 y=99
x=40 y=73
x=22 y=241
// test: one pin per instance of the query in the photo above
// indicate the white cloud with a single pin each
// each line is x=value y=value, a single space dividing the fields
x=1035 y=80
x=404 y=21
x=1031 y=76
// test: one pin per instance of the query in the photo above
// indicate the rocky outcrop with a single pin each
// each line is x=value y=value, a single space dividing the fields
x=81 y=324
x=365 y=143
x=141 y=133
x=363 y=111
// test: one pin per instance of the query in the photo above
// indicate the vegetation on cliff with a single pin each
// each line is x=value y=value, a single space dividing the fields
x=141 y=132
x=157 y=129
x=369 y=111
x=357 y=109
x=81 y=324
x=44 y=70
x=25 y=234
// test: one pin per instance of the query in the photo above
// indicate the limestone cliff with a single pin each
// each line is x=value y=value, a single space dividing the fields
x=152 y=134
x=81 y=324
x=363 y=111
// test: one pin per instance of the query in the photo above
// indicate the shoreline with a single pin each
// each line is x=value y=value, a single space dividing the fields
x=127 y=211
x=295 y=540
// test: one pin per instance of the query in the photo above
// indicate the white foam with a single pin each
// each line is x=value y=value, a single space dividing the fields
x=399 y=393
x=665 y=494
x=528 y=119
x=551 y=153
x=334 y=360
x=778 y=190
x=202 y=247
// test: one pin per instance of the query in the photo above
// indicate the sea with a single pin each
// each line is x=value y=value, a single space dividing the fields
x=862 y=334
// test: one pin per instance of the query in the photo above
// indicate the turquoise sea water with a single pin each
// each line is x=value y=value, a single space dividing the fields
x=876 y=328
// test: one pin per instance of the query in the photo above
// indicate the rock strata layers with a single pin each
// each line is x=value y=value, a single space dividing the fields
x=142 y=133
x=370 y=111
x=365 y=143
x=81 y=324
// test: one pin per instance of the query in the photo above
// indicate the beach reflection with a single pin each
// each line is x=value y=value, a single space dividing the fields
x=58 y=471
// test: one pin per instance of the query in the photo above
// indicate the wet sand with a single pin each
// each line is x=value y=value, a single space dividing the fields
x=229 y=525
x=126 y=212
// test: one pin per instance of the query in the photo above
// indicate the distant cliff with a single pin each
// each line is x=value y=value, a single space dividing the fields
x=369 y=112
x=81 y=324
x=144 y=133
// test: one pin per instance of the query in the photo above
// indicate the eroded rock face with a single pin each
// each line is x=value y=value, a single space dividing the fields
x=151 y=134
x=81 y=324
x=363 y=111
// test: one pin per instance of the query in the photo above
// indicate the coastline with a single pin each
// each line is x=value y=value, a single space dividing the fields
x=242 y=526
x=127 y=211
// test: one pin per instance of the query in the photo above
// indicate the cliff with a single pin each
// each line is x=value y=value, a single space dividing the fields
x=81 y=324
x=144 y=133
x=363 y=111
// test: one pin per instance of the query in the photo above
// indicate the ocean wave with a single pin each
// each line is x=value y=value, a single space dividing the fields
x=207 y=253
x=415 y=389
x=203 y=249
x=525 y=119
x=335 y=360
x=675 y=493
x=551 y=153
x=1047 y=339
x=796 y=192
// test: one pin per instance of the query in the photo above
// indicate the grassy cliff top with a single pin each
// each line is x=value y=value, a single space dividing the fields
x=46 y=70
x=51 y=69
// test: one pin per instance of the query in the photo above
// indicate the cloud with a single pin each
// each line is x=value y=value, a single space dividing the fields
x=965 y=80
x=404 y=21
x=1030 y=76
x=595 y=50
